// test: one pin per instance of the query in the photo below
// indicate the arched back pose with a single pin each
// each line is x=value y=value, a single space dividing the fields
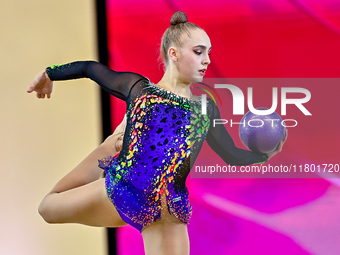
x=145 y=185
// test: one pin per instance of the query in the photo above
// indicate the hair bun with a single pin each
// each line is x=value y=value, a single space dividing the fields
x=178 y=17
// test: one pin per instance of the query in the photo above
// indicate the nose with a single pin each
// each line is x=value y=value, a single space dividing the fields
x=206 y=60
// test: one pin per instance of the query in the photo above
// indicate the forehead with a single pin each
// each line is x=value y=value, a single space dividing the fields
x=197 y=37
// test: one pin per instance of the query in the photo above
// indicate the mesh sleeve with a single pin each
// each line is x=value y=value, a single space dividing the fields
x=118 y=84
x=220 y=141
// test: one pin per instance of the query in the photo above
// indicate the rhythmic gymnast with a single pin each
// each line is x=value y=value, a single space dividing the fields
x=145 y=185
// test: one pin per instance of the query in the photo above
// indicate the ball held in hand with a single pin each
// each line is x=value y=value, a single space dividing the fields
x=261 y=133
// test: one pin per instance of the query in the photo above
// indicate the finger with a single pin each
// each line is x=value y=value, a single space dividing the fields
x=30 y=88
x=43 y=96
x=286 y=136
x=278 y=147
x=48 y=95
x=118 y=145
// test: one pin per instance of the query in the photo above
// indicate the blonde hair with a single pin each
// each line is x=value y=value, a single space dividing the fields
x=173 y=35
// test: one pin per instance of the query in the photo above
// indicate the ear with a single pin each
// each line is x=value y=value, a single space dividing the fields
x=173 y=53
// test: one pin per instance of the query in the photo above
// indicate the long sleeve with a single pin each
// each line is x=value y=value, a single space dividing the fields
x=118 y=84
x=221 y=142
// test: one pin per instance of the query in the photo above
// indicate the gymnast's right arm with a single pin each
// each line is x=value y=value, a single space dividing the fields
x=118 y=84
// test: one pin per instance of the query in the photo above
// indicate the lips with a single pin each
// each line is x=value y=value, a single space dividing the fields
x=202 y=71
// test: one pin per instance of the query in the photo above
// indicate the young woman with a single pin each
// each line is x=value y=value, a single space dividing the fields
x=145 y=185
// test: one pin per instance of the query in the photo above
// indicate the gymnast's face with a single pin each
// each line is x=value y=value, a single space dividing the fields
x=193 y=58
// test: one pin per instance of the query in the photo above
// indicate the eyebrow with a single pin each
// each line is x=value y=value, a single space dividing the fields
x=203 y=46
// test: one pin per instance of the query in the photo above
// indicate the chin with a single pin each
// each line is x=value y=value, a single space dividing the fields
x=196 y=79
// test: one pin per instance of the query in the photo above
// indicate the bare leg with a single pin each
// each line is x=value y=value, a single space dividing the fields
x=86 y=172
x=167 y=236
x=87 y=204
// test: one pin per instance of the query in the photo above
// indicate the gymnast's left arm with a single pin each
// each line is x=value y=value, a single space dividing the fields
x=221 y=142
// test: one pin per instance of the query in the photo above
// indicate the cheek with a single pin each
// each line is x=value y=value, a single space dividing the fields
x=190 y=64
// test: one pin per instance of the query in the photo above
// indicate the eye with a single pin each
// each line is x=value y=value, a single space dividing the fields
x=198 y=52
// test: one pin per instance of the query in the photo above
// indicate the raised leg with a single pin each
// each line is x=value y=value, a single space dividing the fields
x=62 y=196
x=87 y=204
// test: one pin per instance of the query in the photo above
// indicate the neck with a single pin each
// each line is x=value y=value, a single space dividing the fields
x=173 y=83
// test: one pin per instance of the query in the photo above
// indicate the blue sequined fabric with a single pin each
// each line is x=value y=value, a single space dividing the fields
x=165 y=129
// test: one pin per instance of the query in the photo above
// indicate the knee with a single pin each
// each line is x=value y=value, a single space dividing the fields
x=45 y=211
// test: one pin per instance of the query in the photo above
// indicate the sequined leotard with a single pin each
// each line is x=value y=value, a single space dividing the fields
x=163 y=137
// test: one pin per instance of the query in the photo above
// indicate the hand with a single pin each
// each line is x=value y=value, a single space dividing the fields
x=42 y=85
x=119 y=143
x=120 y=131
x=279 y=147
